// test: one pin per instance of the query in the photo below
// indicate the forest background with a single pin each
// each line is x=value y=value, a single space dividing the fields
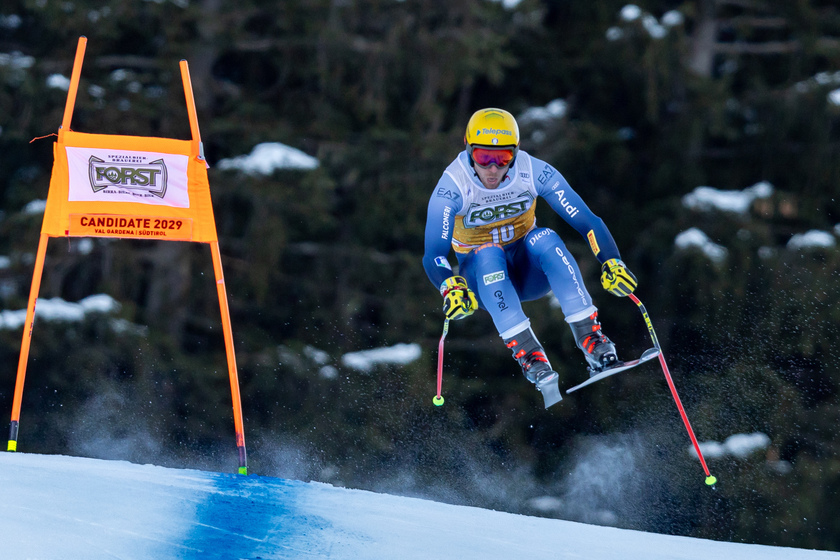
x=645 y=103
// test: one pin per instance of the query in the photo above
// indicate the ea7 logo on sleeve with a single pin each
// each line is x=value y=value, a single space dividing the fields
x=547 y=172
x=494 y=277
x=451 y=194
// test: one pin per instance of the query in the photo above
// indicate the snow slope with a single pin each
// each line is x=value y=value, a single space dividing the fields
x=58 y=507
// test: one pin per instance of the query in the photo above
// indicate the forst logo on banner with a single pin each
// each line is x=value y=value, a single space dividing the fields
x=110 y=175
x=147 y=177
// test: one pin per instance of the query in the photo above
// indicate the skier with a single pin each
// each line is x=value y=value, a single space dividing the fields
x=483 y=207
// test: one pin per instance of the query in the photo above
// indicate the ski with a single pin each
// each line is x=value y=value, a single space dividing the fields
x=550 y=389
x=648 y=354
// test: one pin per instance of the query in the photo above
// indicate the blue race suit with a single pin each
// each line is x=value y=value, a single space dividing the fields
x=503 y=255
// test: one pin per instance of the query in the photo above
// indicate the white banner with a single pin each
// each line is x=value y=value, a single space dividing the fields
x=98 y=175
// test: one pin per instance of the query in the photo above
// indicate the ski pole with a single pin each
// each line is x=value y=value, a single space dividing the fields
x=438 y=399
x=710 y=480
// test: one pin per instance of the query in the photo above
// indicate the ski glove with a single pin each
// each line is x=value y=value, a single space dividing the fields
x=458 y=300
x=616 y=279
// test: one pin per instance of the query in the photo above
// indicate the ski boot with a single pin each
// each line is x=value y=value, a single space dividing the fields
x=535 y=366
x=530 y=354
x=598 y=349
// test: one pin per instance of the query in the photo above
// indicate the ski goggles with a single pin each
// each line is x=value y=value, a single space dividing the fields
x=485 y=157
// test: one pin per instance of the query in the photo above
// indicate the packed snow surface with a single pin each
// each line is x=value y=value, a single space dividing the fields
x=59 y=507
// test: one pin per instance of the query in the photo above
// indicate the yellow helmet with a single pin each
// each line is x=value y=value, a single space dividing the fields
x=492 y=128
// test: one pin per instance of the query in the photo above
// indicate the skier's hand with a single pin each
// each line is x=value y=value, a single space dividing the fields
x=616 y=279
x=458 y=300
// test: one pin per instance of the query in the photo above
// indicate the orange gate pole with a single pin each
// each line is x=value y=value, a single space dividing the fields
x=27 y=338
x=231 y=358
x=74 y=87
x=40 y=257
x=220 y=286
x=188 y=93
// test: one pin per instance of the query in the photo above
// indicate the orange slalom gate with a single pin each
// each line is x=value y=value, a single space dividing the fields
x=129 y=187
